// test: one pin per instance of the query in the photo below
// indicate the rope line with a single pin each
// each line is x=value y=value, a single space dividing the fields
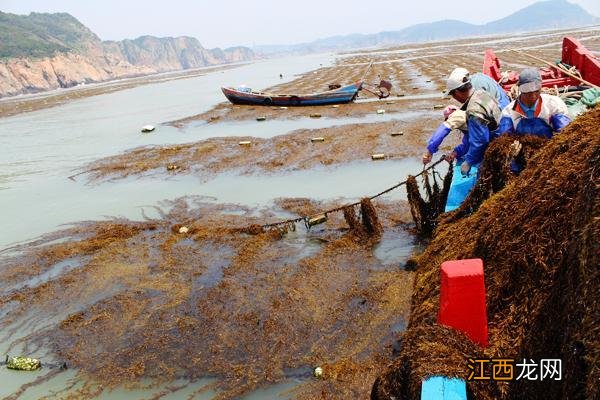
x=305 y=218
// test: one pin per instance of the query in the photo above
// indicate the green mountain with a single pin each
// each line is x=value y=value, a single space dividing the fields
x=48 y=51
x=40 y=35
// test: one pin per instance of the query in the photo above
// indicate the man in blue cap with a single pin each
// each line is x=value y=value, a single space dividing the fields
x=533 y=112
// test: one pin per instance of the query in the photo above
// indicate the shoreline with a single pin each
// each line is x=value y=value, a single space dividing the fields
x=24 y=103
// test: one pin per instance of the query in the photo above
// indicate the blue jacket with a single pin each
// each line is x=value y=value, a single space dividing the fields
x=550 y=116
x=477 y=140
x=483 y=118
x=440 y=134
x=480 y=82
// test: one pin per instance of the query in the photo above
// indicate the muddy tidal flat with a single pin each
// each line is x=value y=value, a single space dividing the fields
x=138 y=259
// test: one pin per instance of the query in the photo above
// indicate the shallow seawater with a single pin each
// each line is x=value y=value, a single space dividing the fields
x=267 y=129
x=56 y=201
x=47 y=145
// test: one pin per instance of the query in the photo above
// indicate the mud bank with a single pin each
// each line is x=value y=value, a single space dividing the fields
x=413 y=69
x=289 y=152
x=538 y=238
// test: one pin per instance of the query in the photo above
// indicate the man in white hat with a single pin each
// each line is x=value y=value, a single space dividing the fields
x=482 y=113
x=457 y=120
x=533 y=112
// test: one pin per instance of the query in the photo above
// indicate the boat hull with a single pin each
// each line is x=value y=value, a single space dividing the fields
x=342 y=95
x=573 y=54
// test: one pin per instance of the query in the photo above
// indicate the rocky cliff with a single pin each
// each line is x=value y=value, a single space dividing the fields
x=40 y=52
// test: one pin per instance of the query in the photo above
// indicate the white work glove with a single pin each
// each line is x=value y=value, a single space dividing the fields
x=515 y=148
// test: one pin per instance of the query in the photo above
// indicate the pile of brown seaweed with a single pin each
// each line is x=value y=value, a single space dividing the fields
x=538 y=238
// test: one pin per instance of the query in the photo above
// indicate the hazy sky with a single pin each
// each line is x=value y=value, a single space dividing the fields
x=223 y=23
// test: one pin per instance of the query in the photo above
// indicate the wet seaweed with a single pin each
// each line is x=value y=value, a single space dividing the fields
x=155 y=303
x=425 y=211
x=540 y=261
x=495 y=172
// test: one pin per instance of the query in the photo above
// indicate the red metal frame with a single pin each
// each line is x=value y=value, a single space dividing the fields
x=573 y=53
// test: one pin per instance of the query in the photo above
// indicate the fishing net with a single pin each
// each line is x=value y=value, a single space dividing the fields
x=538 y=240
x=425 y=211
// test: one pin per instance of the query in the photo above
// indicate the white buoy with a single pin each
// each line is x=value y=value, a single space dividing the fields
x=147 y=128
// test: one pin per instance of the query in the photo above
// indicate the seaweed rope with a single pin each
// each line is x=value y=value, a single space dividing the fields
x=292 y=221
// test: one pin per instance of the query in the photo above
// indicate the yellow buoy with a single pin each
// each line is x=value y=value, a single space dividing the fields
x=317 y=219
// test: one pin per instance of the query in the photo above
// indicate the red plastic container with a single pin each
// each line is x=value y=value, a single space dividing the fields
x=462 y=299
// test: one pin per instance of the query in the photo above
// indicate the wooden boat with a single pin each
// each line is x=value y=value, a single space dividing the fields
x=578 y=66
x=339 y=95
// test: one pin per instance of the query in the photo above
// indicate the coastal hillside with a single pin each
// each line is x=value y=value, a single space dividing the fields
x=543 y=15
x=47 y=51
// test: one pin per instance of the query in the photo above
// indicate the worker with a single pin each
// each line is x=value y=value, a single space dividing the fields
x=533 y=112
x=478 y=81
x=482 y=115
